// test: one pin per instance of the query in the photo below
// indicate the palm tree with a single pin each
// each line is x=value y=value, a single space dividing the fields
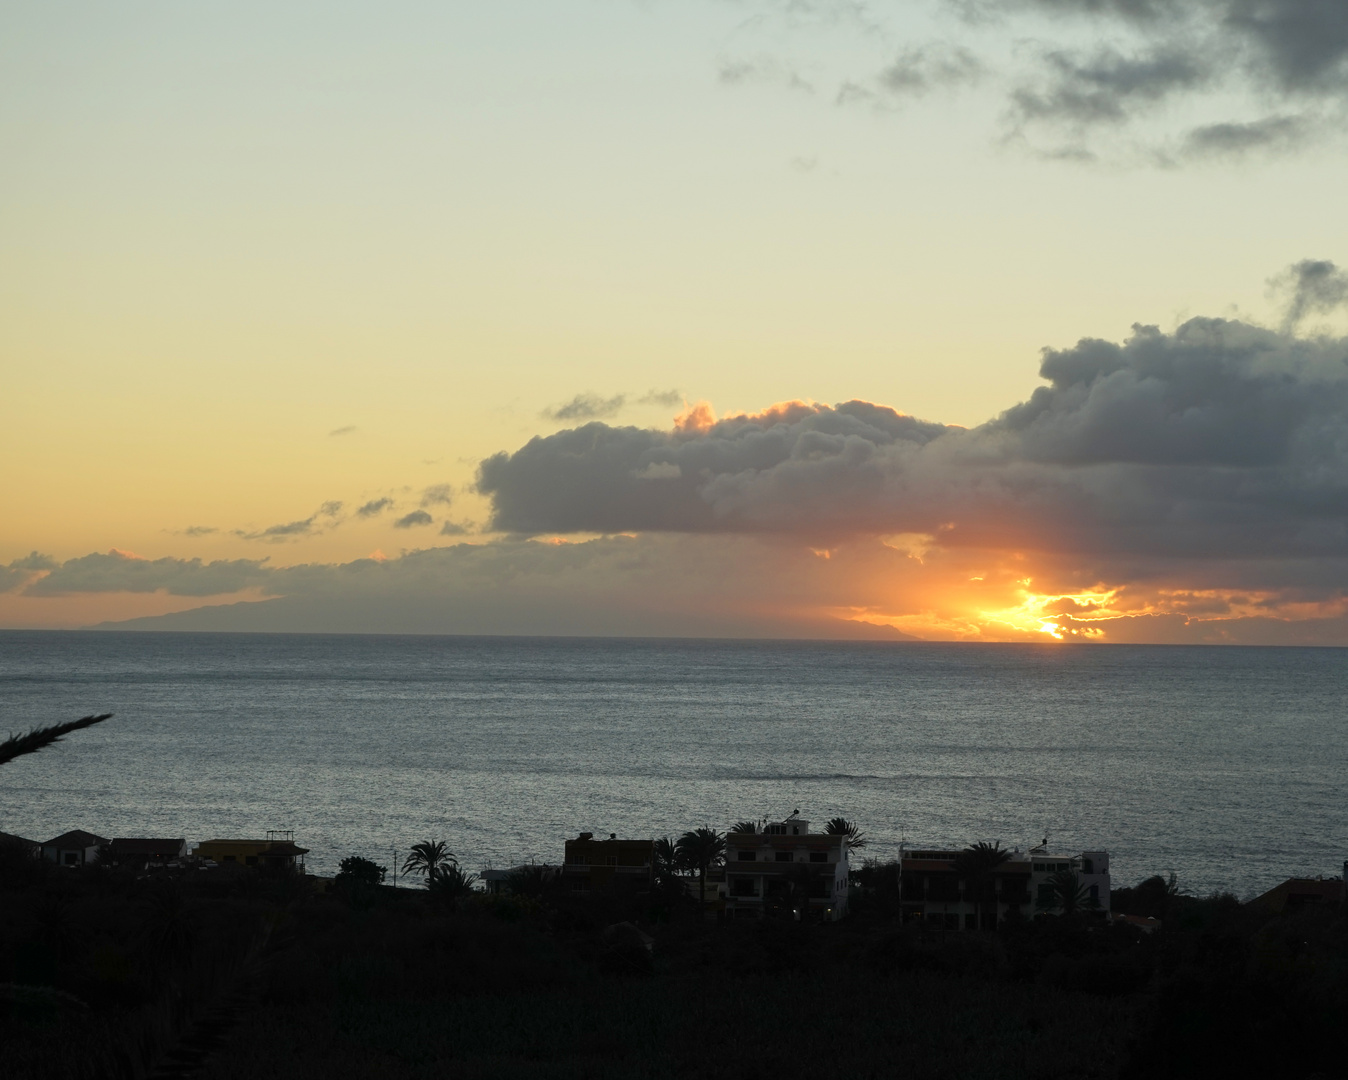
x=666 y=860
x=1067 y=894
x=976 y=865
x=700 y=850
x=744 y=828
x=840 y=826
x=427 y=857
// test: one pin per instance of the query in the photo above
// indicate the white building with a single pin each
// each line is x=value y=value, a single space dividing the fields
x=786 y=870
x=934 y=890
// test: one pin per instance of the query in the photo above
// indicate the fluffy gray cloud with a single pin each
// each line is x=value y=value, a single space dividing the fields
x=1108 y=86
x=374 y=507
x=1184 y=80
x=414 y=519
x=119 y=572
x=200 y=530
x=1312 y=287
x=586 y=407
x=669 y=399
x=1219 y=440
x=609 y=479
x=23 y=570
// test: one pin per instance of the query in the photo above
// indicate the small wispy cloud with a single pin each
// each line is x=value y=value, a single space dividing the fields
x=349 y=429
x=413 y=520
x=437 y=495
x=374 y=507
x=587 y=407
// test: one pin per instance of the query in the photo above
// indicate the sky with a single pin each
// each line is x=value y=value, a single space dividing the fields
x=944 y=319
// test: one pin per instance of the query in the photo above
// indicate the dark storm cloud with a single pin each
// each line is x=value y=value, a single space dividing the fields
x=374 y=507
x=120 y=572
x=1219 y=439
x=586 y=407
x=412 y=520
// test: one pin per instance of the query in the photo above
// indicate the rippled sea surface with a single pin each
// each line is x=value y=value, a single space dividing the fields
x=1227 y=765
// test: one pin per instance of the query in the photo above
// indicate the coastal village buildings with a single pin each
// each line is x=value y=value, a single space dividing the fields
x=1297 y=893
x=278 y=851
x=786 y=869
x=74 y=848
x=934 y=890
x=146 y=851
x=592 y=865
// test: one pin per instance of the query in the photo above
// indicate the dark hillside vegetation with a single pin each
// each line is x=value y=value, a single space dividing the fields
x=265 y=975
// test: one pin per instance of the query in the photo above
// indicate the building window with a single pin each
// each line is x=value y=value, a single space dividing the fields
x=72 y=857
x=742 y=886
x=819 y=856
x=230 y=858
x=971 y=922
x=1088 y=866
x=783 y=856
x=251 y=860
x=747 y=856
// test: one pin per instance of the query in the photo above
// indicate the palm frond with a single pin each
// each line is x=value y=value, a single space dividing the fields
x=42 y=737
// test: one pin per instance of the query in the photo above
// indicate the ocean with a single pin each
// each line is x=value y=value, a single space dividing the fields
x=1224 y=765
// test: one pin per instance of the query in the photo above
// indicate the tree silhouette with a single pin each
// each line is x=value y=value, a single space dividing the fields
x=976 y=865
x=449 y=882
x=666 y=858
x=1067 y=894
x=840 y=826
x=744 y=828
x=41 y=737
x=360 y=871
x=427 y=857
x=700 y=850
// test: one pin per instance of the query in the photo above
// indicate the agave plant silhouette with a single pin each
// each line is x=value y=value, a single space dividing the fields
x=427 y=857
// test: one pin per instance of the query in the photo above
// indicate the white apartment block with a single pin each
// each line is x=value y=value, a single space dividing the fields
x=787 y=871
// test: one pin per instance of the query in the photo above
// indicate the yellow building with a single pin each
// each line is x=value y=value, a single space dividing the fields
x=278 y=851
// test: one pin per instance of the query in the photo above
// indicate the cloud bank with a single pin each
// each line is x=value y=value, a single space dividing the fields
x=1221 y=439
x=1189 y=485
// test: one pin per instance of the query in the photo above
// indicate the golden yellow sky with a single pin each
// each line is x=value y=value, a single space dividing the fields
x=260 y=262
